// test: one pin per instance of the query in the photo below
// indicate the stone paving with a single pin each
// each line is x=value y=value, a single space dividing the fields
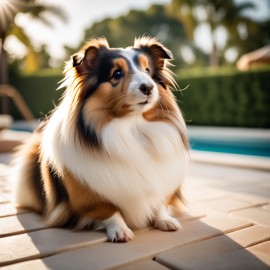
x=225 y=226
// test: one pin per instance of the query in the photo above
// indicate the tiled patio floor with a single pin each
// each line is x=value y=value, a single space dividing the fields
x=227 y=226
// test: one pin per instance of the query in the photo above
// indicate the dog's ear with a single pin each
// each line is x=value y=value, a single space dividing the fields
x=77 y=59
x=154 y=49
x=160 y=57
x=87 y=57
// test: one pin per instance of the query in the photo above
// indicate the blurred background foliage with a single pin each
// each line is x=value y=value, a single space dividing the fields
x=34 y=59
x=218 y=94
x=175 y=25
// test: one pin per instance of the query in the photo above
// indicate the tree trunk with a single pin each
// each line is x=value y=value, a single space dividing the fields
x=4 y=101
x=214 y=57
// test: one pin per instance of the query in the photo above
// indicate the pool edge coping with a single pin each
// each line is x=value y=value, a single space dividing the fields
x=228 y=159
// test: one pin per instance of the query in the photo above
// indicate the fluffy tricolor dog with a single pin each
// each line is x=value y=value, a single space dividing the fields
x=112 y=155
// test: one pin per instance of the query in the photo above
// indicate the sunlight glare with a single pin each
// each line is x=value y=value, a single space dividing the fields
x=8 y=10
x=14 y=47
x=3 y=2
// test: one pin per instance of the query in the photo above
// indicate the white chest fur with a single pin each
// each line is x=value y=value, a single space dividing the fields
x=143 y=162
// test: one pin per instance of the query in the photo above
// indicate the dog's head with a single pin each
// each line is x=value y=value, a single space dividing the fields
x=106 y=83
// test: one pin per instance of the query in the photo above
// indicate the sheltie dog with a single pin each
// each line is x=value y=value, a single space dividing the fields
x=112 y=156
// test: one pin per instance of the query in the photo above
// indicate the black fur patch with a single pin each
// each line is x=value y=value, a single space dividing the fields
x=159 y=81
x=38 y=183
x=87 y=133
x=105 y=66
x=60 y=190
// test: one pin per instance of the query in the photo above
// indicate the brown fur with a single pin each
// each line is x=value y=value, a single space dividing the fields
x=85 y=201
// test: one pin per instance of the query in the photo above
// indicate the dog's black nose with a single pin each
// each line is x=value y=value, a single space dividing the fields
x=146 y=89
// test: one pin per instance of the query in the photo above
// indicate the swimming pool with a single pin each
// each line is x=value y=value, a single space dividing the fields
x=253 y=142
x=253 y=148
x=24 y=126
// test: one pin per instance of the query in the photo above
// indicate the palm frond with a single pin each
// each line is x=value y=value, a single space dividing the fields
x=40 y=12
x=18 y=31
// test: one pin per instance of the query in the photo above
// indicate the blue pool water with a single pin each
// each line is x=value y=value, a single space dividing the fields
x=257 y=147
x=24 y=126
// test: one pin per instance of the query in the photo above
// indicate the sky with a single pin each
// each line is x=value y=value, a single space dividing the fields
x=83 y=13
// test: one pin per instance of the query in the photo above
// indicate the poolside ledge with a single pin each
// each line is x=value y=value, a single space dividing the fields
x=233 y=160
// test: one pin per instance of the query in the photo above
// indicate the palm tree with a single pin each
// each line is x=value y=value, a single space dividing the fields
x=8 y=10
x=183 y=10
x=218 y=13
x=225 y=14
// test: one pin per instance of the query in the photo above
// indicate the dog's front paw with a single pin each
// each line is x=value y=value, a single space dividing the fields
x=119 y=234
x=164 y=222
x=117 y=230
x=169 y=224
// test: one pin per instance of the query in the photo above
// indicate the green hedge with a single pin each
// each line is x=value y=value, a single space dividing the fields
x=39 y=92
x=222 y=99
x=239 y=99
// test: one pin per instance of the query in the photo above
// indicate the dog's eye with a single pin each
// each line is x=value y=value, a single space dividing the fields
x=147 y=70
x=118 y=74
